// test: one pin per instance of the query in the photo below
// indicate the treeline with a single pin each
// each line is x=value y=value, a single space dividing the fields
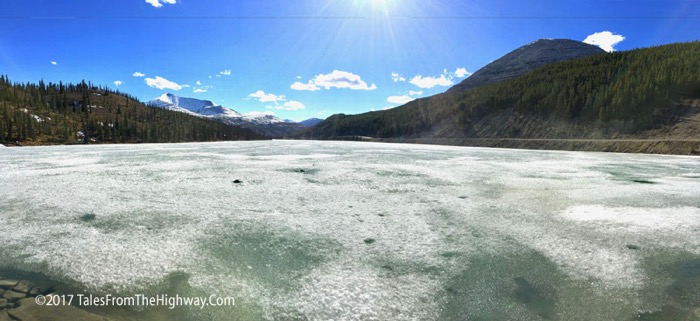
x=58 y=113
x=635 y=87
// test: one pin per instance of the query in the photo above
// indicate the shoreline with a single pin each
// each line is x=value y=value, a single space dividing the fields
x=687 y=147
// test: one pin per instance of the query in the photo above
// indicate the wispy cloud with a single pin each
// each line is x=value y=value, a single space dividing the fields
x=138 y=74
x=310 y=86
x=118 y=83
x=400 y=99
x=289 y=105
x=397 y=77
x=606 y=40
x=293 y=105
x=225 y=72
x=162 y=83
x=445 y=79
x=415 y=93
x=54 y=63
x=159 y=3
x=263 y=97
x=335 y=79
x=200 y=88
x=430 y=82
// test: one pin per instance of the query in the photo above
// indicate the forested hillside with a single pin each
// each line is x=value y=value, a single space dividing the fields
x=50 y=113
x=604 y=95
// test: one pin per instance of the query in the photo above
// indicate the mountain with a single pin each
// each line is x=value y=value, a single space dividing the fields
x=60 y=113
x=525 y=59
x=650 y=94
x=311 y=122
x=262 y=123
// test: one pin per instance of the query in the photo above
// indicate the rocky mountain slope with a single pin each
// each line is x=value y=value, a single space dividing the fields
x=525 y=59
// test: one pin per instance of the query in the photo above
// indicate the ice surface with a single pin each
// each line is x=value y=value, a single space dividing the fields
x=290 y=239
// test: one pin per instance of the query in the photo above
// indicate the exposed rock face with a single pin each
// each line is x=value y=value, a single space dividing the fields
x=526 y=59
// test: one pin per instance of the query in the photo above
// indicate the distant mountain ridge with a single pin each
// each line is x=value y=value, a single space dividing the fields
x=310 y=122
x=262 y=123
x=525 y=59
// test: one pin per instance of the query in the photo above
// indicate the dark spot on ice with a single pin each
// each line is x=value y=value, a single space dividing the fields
x=237 y=181
x=300 y=170
x=633 y=247
x=88 y=217
x=683 y=292
x=533 y=298
x=387 y=267
x=463 y=197
x=381 y=214
x=369 y=240
x=449 y=254
x=643 y=181
x=689 y=269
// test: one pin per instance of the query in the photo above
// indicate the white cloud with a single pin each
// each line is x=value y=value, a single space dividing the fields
x=199 y=90
x=342 y=79
x=185 y=86
x=138 y=74
x=118 y=83
x=388 y=107
x=291 y=105
x=162 y=83
x=263 y=97
x=462 y=72
x=444 y=80
x=198 y=83
x=159 y=3
x=415 y=93
x=397 y=77
x=302 y=86
x=606 y=40
x=399 y=99
x=54 y=63
x=335 y=79
x=430 y=82
x=225 y=72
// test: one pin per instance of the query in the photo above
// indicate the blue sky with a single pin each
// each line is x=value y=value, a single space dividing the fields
x=302 y=59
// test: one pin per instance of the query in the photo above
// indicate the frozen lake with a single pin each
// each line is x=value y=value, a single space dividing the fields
x=361 y=231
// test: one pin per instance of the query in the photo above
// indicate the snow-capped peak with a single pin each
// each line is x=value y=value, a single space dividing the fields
x=206 y=108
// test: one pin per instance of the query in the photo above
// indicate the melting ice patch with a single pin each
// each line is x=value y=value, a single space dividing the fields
x=635 y=218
